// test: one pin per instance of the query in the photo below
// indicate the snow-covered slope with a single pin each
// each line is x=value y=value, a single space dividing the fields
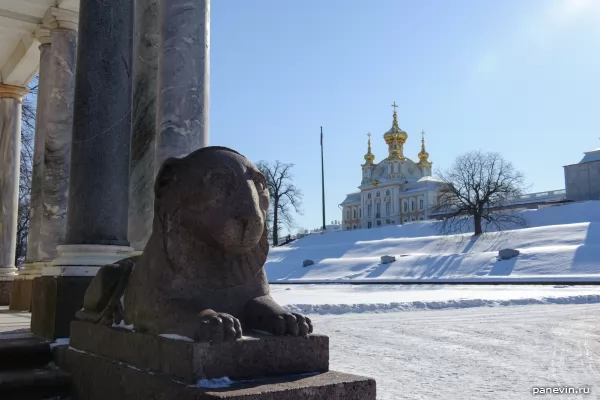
x=562 y=243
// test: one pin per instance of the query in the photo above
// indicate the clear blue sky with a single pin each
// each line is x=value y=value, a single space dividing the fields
x=514 y=76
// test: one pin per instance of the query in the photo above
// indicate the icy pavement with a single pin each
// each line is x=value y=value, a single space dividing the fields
x=11 y=321
x=470 y=354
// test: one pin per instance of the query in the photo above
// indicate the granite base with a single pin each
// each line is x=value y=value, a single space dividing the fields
x=253 y=356
x=55 y=300
x=5 y=289
x=98 y=378
x=20 y=296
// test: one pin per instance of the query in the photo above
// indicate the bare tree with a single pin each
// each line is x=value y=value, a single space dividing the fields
x=478 y=186
x=26 y=167
x=285 y=197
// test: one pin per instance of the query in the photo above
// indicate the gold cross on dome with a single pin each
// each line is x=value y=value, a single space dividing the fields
x=422 y=134
x=394 y=106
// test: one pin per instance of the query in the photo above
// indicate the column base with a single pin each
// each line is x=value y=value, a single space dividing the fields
x=22 y=287
x=85 y=259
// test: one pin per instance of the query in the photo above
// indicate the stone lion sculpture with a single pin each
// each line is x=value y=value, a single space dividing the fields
x=201 y=273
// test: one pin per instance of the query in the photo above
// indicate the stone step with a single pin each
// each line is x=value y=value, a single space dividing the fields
x=24 y=353
x=35 y=384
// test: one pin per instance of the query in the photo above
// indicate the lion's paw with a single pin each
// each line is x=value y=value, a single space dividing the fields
x=219 y=327
x=288 y=324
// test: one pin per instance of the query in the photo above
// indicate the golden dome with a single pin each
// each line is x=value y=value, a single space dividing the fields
x=395 y=132
x=369 y=157
x=395 y=139
x=423 y=154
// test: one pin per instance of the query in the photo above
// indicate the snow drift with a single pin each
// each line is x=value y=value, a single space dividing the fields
x=561 y=243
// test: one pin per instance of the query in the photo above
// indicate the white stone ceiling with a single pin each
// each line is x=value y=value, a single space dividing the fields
x=19 y=53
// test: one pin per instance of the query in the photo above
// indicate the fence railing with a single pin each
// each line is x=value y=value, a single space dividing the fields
x=548 y=195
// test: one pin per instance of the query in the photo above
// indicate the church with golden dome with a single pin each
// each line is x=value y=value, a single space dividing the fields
x=395 y=190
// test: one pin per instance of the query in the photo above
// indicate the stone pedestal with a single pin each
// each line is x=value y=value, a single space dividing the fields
x=6 y=283
x=22 y=288
x=55 y=301
x=21 y=292
x=120 y=364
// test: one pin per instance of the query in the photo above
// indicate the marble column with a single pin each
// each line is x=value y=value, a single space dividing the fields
x=10 y=148
x=97 y=212
x=184 y=77
x=37 y=174
x=146 y=41
x=58 y=138
x=182 y=97
x=20 y=297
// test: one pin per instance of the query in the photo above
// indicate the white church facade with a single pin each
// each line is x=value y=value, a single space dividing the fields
x=394 y=191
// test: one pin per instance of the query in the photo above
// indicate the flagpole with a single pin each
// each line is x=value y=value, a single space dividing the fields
x=323 y=179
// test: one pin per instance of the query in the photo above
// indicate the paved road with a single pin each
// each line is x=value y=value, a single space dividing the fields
x=480 y=353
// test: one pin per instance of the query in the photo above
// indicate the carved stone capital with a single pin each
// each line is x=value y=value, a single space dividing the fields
x=43 y=34
x=10 y=91
x=57 y=18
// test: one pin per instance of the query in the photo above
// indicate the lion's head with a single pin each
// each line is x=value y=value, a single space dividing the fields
x=216 y=196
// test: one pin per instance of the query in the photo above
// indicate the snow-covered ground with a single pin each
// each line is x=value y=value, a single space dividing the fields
x=343 y=299
x=470 y=354
x=561 y=244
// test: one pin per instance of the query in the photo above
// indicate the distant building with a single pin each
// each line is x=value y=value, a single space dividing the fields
x=582 y=180
x=333 y=226
x=394 y=191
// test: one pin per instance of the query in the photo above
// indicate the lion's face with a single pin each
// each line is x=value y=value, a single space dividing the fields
x=215 y=195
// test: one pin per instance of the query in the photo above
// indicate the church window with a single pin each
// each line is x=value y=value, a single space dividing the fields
x=354 y=213
x=369 y=224
x=354 y=227
x=412 y=204
x=387 y=192
x=369 y=196
x=404 y=206
x=421 y=204
x=347 y=214
x=360 y=213
x=378 y=209
x=388 y=208
x=378 y=194
x=413 y=219
x=369 y=210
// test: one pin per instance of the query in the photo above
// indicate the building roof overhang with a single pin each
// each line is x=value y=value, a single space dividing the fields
x=19 y=47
